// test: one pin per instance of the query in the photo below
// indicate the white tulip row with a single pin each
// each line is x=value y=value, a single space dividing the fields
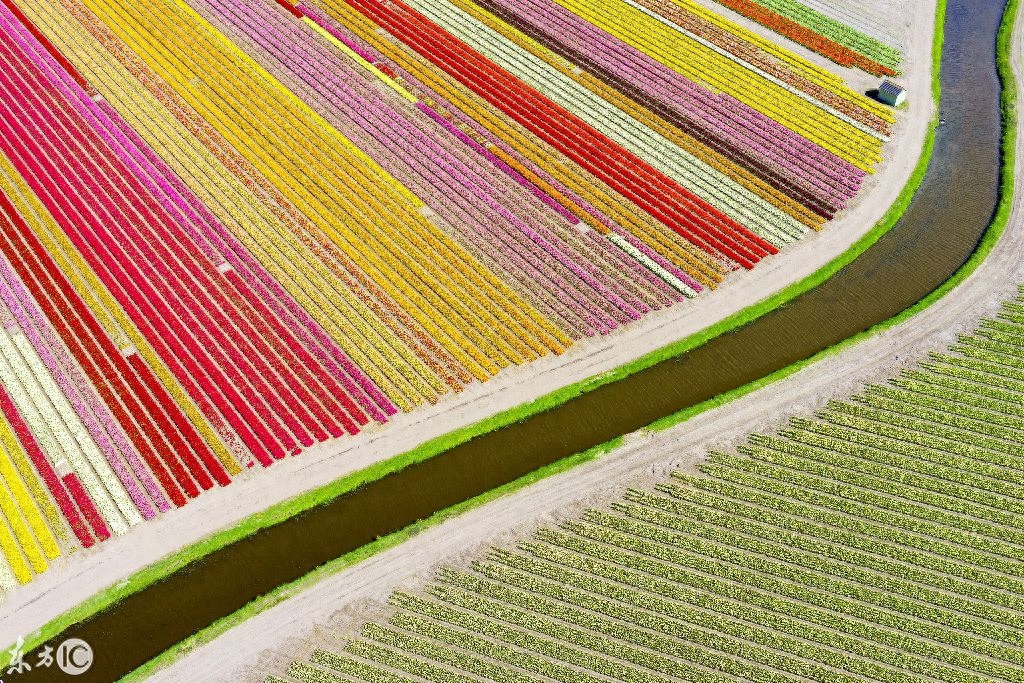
x=59 y=431
x=7 y=580
x=722 y=192
x=651 y=265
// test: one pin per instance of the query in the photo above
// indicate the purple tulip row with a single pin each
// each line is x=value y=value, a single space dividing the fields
x=107 y=433
x=805 y=164
x=548 y=258
x=171 y=257
x=465 y=122
x=220 y=246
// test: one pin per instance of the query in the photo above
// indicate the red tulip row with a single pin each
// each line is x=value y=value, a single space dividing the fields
x=56 y=487
x=825 y=47
x=73 y=209
x=787 y=181
x=633 y=178
x=268 y=296
x=85 y=504
x=152 y=421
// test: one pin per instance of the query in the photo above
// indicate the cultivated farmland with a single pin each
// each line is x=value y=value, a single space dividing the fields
x=318 y=219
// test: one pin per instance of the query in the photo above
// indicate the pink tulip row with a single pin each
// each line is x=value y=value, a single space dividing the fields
x=466 y=122
x=108 y=435
x=613 y=257
x=219 y=241
x=57 y=487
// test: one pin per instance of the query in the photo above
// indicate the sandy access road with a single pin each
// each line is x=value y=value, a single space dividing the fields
x=338 y=605
x=72 y=580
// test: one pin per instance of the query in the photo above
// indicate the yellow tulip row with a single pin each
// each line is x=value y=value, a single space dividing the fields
x=200 y=157
x=499 y=303
x=27 y=540
x=807 y=69
x=474 y=316
x=709 y=156
x=697 y=62
x=692 y=260
x=60 y=430
x=51 y=518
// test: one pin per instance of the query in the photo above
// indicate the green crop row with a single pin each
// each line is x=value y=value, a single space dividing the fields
x=867 y=489
x=913 y=430
x=952 y=409
x=354 y=668
x=934 y=476
x=838 y=554
x=944 y=385
x=939 y=451
x=654 y=629
x=836 y=30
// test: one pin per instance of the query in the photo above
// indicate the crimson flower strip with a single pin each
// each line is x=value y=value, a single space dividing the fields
x=46 y=472
x=85 y=504
x=120 y=386
x=188 y=266
x=75 y=209
x=626 y=173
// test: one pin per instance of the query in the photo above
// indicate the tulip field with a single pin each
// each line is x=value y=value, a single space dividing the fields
x=231 y=230
x=879 y=540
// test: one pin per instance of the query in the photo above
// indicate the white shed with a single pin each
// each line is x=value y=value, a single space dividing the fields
x=891 y=94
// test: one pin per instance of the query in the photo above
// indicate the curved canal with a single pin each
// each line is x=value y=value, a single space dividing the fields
x=939 y=231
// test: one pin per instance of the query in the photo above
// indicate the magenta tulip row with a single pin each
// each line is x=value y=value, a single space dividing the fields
x=807 y=165
x=463 y=121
